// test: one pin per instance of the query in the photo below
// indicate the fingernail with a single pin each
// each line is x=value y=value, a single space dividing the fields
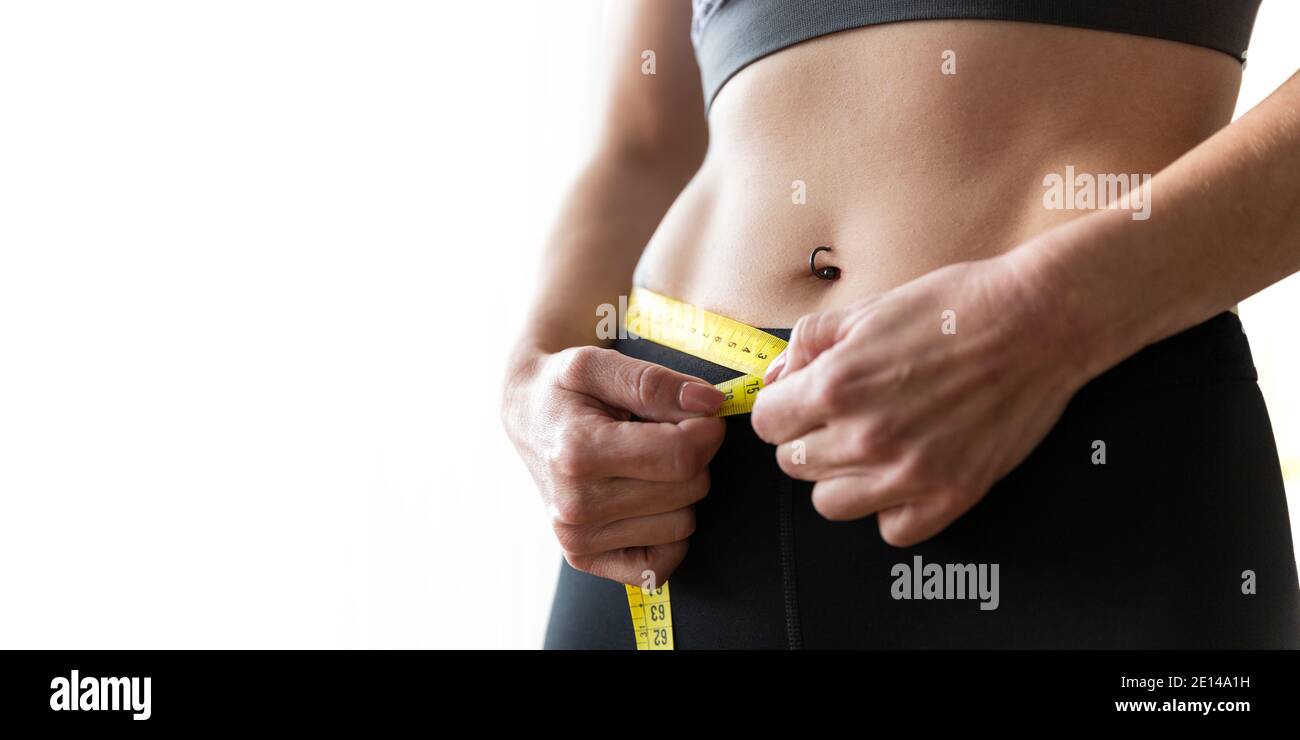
x=774 y=370
x=698 y=398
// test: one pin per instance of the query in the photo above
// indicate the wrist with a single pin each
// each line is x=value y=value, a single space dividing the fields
x=1079 y=310
x=523 y=361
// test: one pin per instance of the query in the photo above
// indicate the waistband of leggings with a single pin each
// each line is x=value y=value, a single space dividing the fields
x=1215 y=350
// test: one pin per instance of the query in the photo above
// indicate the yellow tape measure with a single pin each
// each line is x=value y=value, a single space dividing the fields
x=652 y=617
x=708 y=336
x=719 y=340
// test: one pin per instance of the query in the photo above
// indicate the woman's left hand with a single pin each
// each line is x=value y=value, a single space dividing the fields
x=912 y=404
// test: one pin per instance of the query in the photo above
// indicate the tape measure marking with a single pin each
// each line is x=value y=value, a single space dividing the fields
x=722 y=341
x=652 y=617
x=708 y=336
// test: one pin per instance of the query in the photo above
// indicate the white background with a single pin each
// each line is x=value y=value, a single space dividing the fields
x=260 y=262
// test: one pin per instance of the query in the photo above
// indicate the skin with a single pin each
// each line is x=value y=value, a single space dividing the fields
x=930 y=188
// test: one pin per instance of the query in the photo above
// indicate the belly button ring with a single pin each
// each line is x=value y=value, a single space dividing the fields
x=828 y=272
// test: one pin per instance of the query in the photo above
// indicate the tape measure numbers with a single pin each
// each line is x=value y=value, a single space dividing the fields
x=652 y=617
x=708 y=336
x=722 y=341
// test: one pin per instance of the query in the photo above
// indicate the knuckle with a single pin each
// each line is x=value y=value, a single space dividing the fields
x=658 y=562
x=584 y=563
x=568 y=456
x=785 y=460
x=912 y=472
x=829 y=502
x=901 y=373
x=683 y=526
x=572 y=510
x=894 y=533
x=579 y=363
x=824 y=393
x=697 y=488
x=567 y=462
x=861 y=443
x=899 y=526
x=804 y=328
x=572 y=539
x=649 y=382
x=871 y=438
x=686 y=461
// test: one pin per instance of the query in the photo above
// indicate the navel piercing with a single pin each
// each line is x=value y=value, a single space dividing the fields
x=828 y=272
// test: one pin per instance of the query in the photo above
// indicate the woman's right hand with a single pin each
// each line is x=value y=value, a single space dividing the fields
x=620 y=492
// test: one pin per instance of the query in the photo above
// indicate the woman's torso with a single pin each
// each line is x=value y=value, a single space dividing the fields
x=906 y=170
x=859 y=140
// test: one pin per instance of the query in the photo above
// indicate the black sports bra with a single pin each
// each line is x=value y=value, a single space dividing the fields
x=730 y=34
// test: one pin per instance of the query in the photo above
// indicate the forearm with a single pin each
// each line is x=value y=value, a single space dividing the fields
x=610 y=213
x=1224 y=224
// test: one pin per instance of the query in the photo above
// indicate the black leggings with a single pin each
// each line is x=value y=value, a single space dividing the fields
x=1148 y=550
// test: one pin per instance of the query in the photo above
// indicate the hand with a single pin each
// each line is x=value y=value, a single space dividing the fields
x=898 y=418
x=620 y=492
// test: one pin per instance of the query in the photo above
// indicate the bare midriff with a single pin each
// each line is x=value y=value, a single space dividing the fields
x=859 y=141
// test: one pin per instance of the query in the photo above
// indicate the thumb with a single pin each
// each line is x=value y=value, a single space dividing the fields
x=650 y=391
x=813 y=334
